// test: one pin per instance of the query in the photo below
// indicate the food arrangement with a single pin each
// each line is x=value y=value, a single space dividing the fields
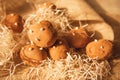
x=50 y=48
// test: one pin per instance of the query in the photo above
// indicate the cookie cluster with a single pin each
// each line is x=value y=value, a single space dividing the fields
x=47 y=42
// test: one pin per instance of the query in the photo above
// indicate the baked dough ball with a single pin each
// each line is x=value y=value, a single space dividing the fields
x=77 y=38
x=42 y=34
x=32 y=55
x=14 y=22
x=59 y=49
x=101 y=49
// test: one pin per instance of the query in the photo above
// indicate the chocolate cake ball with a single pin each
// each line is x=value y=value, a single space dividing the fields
x=32 y=55
x=14 y=22
x=59 y=49
x=77 y=38
x=42 y=34
x=101 y=49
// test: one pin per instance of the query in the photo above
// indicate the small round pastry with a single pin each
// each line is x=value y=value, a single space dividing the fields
x=100 y=50
x=59 y=49
x=32 y=55
x=14 y=22
x=77 y=38
x=42 y=34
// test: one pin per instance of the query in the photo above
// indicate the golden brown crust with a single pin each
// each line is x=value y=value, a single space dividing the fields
x=102 y=49
x=42 y=34
x=77 y=38
x=32 y=55
x=14 y=22
x=59 y=50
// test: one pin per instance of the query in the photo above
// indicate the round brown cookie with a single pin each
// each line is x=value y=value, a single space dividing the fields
x=42 y=34
x=101 y=49
x=32 y=55
x=77 y=38
x=59 y=49
x=14 y=22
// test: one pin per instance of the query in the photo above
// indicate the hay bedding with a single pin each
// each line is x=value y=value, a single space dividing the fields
x=77 y=66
